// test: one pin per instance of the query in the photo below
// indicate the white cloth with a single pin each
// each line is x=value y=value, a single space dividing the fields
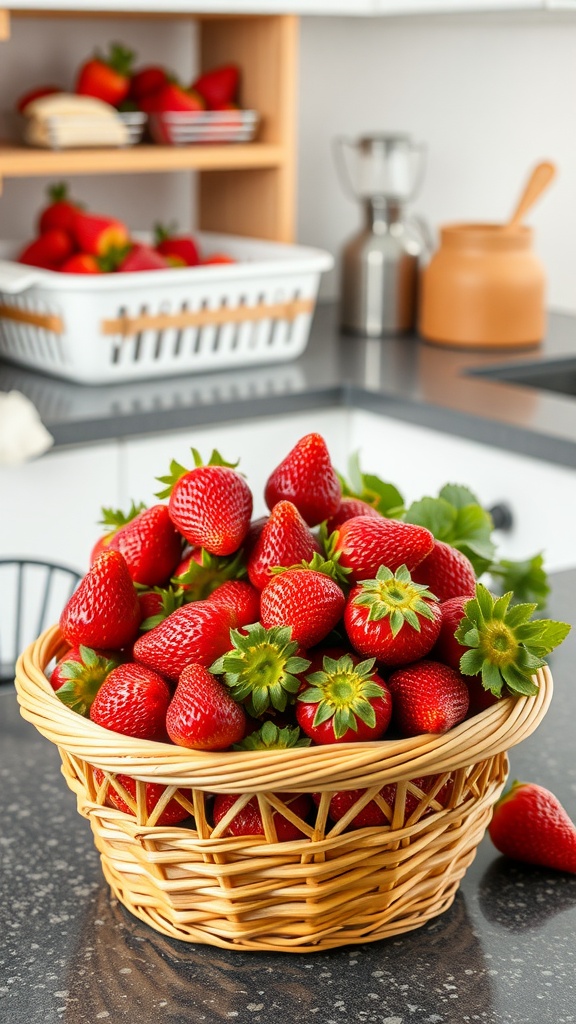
x=23 y=436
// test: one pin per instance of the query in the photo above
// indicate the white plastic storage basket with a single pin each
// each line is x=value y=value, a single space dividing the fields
x=116 y=327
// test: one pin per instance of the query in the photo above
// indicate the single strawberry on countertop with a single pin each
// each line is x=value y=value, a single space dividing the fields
x=202 y=715
x=133 y=701
x=79 y=674
x=391 y=618
x=106 y=77
x=530 y=824
x=343 y=701
x=364 y=543
x=427 y=697
x=307 y=478
x=103 y=611
x=307 y=600
x=284 y=540
x=247 y=820
x=210 y=505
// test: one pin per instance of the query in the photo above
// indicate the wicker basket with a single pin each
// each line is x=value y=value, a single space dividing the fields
x=333 y=887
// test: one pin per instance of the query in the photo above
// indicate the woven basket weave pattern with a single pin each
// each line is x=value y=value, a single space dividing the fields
x=335 y=886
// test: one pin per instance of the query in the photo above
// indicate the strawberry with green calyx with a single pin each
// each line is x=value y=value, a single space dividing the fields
x=307 y=600
x=364 y=543
x=427 y=697
x=112 y=520
x=200 y=572
x=270 y=737
x=180 y=250
x=60 y=211
x=106 y=78
x=307 y=478
x=529 y=824
x=284 y=540
x=446 y=571
x=133 y=701
x=202 y=715
x=343 y=701
x=210 y=505
x=262 y=668
x=248 y=820
x=391 y=618
x=103 y=612
x=157 y=604
x=504 y=646
x=99 y=235
x=78 y=676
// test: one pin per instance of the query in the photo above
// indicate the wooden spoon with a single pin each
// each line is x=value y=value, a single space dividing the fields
x=538 y=181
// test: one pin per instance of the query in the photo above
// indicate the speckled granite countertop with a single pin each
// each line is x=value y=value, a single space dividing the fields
x=402 y=377
x=504 y=951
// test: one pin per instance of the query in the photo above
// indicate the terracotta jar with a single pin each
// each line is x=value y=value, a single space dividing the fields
x=484 y=287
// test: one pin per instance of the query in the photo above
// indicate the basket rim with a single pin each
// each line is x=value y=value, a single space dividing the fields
x=303 y=769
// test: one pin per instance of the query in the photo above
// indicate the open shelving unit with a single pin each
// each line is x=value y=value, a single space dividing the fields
x=244 y=189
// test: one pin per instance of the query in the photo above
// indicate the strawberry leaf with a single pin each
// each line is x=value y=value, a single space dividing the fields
x=261 y=667
x=383 y=496
x=270 y=737
x=526 y=578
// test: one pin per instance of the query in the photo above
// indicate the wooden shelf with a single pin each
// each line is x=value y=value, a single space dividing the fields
x=20 y=162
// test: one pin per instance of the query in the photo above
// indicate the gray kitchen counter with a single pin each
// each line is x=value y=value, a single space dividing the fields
x=404 y=377
x=504 y=953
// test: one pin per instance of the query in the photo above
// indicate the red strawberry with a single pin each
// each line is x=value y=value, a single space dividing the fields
x=219 y=86
x=349 y=508
x=307 y=600
x=140 y=257
x=99 y=235
x=447 y=572
x=133 y=701
x=48 y=251
x=202 y=714
x=373 y=814
x=480 y=699
x=104 y=610
x=80 y=263
x=306 y=477
x=60 y=212
x=218 y=257
x=427 y=697
x=78 y=675
x=147 y=80
x=343 y=701
x=364 y=543
x=106 y=78
x=210 y=505
x=248 y=821
x=447 y=648
x=171 y=812
x=240 y=598
x=530 y=824
x=178 y=249
x=199 y=632
x=391 y=618
x=150 y=544
x=172 y=97
x=284 y=540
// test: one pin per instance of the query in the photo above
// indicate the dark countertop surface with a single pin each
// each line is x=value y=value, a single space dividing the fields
x=403 y=377
x=504 y=951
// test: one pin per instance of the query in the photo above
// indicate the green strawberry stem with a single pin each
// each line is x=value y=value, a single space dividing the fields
x=327 y=566
x=172 y=598
x=114 y=518
x=342 y=691
x=84 y=679
x=506 y=648
x=262 y=668
x=201 y=579
x=270 y=737
x=397 y=597
x=177 y=471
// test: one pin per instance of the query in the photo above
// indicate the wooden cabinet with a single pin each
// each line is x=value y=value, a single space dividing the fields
x=245 y=189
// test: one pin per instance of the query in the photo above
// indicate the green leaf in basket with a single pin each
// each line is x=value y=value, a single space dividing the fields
x=506 y=646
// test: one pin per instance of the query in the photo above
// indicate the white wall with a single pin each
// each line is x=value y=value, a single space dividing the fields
x=489 y=94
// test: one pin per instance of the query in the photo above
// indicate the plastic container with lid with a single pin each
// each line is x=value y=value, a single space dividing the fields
x=484 y=287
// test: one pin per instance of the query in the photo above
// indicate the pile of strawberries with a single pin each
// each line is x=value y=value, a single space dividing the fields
x=72 y=240
x=322 y=622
